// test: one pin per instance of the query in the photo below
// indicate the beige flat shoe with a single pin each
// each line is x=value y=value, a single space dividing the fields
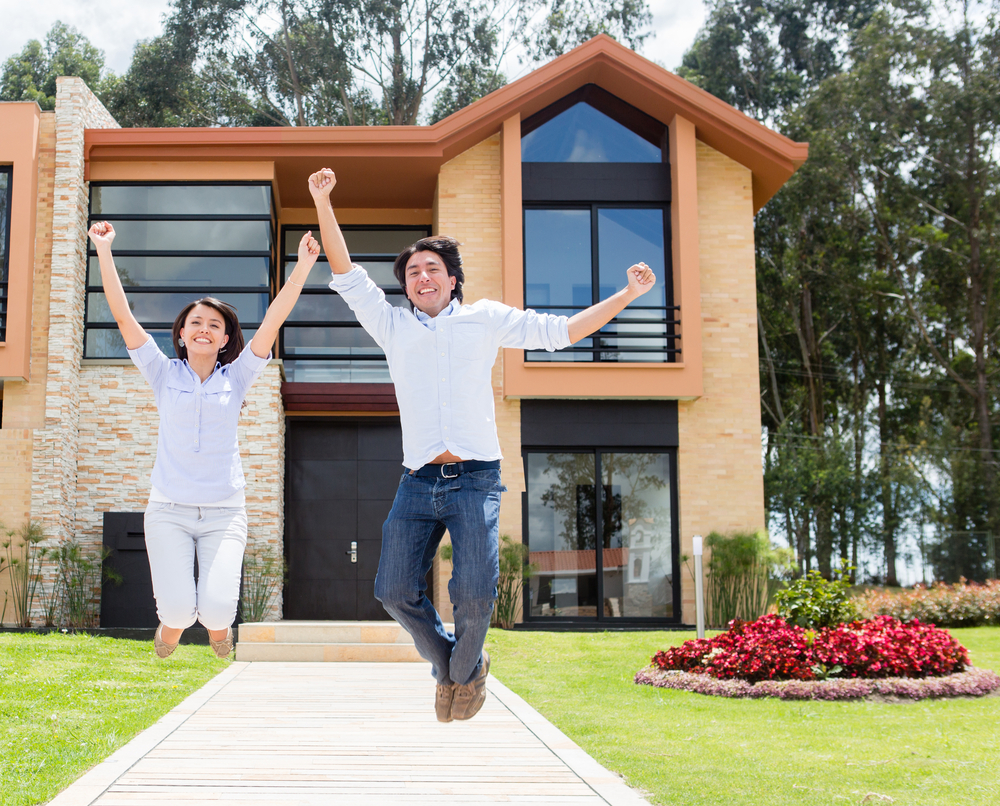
x=161 y=647
x=225 y=646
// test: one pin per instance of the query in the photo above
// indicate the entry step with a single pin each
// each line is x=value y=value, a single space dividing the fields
x=326 y=641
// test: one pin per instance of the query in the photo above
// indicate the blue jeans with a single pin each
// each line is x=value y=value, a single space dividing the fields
x=468 y=506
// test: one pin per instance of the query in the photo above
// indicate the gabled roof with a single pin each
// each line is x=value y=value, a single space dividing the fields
x=378 y=163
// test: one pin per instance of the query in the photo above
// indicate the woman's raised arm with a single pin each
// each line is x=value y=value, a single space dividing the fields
x=277 y=311
x=102 y=234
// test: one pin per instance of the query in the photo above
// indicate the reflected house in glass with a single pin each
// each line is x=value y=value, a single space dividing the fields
x=617 y=450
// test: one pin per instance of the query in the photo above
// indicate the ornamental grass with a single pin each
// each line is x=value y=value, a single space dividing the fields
x=966 y=604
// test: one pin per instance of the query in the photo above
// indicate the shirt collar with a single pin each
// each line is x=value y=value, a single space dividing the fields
x=218 y=366
x=423 y=318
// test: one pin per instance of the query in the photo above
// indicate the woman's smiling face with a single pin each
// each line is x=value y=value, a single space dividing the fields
x=204 y=331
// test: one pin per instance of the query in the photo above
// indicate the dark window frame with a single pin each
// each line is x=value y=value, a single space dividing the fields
x=271 y=254
x=5 y=267
x=287 y=260
x=594 y=186
x=669 y=309
x=600 y=620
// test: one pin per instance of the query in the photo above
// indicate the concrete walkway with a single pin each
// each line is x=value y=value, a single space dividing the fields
x=345 y=734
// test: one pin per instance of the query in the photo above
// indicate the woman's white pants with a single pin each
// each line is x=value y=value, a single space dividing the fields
x=175 y=533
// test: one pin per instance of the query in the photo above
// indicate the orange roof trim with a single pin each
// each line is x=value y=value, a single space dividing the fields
x=414 y=154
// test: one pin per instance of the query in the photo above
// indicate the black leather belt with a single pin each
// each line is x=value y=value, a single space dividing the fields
x=451 y=470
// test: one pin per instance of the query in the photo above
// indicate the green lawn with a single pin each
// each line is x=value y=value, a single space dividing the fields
x=69 y=701
x=683 y=748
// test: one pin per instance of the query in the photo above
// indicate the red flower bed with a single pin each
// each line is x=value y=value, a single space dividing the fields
x=771 y=649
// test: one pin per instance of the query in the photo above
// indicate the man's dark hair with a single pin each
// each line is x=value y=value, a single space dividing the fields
x=445 y=247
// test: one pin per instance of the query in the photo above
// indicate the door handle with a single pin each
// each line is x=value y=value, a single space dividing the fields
x=353 y=551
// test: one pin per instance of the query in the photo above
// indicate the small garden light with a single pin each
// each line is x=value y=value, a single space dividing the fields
x=699 y=589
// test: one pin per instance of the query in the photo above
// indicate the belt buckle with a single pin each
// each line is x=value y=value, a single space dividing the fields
x=443 y=466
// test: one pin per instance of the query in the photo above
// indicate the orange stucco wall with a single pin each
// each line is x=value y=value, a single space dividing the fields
x=19 y=146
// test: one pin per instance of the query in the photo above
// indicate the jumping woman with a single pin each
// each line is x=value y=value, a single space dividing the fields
x=196 y=501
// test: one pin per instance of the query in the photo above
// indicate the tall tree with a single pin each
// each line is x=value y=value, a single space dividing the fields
x=31 y=74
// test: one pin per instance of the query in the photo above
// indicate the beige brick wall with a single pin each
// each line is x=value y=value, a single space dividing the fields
x=467 y=207
x=24 y=401
x=721 y=483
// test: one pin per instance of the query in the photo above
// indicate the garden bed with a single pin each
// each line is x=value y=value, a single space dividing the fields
x=969 y=683
x=865 y=659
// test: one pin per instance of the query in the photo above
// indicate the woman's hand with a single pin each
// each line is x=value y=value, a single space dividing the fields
x=321 y=183
x=308 y=250
x=102 y=234
x=640 y=279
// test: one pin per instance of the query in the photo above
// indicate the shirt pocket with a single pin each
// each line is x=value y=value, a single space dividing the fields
x=217 y=405
x=468 y=342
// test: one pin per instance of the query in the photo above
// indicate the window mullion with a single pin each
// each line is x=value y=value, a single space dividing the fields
x=599 y=532
x=595 y=277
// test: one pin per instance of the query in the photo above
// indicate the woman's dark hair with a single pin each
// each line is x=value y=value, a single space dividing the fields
x=232 y=348
x=446 y=248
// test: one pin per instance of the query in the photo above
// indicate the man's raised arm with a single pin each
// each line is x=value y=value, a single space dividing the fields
x=581 y=325
x=320 y=185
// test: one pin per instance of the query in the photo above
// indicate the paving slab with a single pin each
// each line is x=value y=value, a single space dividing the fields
x=351 y=734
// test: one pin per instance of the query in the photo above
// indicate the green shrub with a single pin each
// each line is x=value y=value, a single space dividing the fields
x=742 y=575
x=263 y=569
x=814 y=603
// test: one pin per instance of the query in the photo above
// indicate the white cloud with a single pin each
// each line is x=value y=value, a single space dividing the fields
x=114 y=26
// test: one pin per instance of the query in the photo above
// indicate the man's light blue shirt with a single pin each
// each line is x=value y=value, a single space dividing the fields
x=442 y=366
x=197 y=451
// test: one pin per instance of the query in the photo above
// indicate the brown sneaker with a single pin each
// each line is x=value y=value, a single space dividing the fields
x=469 y=698
x=225 y=646
x=443 y=699
x=161 y=647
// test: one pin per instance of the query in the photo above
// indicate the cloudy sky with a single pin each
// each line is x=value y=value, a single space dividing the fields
x=114 y=26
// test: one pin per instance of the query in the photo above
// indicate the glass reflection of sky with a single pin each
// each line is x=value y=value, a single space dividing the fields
x=205 y=272
x=626 y=236
x=4 y=180
x=182 y=200
x=165 y=307
x=557 y=257
x=583 y=134
x=193 y=236
x=329 y=341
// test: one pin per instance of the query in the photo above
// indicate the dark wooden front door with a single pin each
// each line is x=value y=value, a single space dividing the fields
x=341 y=477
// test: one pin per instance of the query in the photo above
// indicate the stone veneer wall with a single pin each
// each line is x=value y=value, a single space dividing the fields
x=118 y=424
x=88 y=433
x=467 y=206
x=721 y=481
x=24 y=401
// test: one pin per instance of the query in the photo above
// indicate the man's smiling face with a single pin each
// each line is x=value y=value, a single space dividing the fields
x=428 y=284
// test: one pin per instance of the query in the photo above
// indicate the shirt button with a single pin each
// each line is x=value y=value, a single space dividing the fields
x=444 y=404
x=442 y=353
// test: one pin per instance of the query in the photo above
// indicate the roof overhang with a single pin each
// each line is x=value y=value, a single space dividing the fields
x=397 y=166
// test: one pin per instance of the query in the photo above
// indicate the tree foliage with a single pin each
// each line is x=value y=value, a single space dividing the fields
x=876 y=266
x=31 y=74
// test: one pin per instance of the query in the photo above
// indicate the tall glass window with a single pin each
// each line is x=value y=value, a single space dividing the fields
x=596 y=191
x=322 y=341
x=175 y=243
x=5 y=197
x=575 y=256
x=601 y=551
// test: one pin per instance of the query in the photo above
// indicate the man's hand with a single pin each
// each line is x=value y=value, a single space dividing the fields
x=321 y=183
x=308 y=250
x=102 y=234
x=640 y=279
